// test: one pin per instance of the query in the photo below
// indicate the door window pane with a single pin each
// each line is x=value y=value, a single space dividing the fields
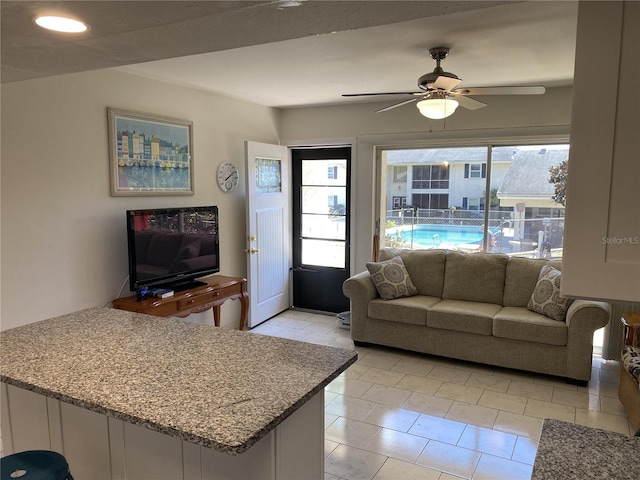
x=324 y=172
x=323 y=212
x=525 y=220
x=323 y=253
x=314 y=200
x=323 y=226
x=268 y=175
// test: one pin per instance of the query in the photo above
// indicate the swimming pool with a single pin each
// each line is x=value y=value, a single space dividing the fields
x=434 y=235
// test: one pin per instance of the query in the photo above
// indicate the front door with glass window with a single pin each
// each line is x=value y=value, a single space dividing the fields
x=268 y=230
x=320 y=228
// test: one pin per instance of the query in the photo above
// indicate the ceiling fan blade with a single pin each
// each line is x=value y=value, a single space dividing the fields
x=446 y=83
x=529 y=90
x=469 y=103
x=384 y=93
x=396 y=105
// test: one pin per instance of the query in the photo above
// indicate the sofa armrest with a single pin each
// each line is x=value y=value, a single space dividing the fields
x=360 y=287
x=360 y=290
x=588 y=314
x=583 y=318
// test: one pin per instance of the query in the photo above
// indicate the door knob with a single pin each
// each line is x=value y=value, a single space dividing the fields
x=251 y=238
x=252 y=250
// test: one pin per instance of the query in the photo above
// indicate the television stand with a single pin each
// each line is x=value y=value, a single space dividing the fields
x=211 y=293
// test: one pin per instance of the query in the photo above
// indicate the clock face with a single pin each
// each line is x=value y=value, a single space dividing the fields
x=227 y=177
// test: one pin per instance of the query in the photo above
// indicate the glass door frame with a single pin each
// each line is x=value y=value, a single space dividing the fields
x=305 y=275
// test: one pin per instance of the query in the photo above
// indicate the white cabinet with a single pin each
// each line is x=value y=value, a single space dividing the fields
x=98 y=447
x=602 y=230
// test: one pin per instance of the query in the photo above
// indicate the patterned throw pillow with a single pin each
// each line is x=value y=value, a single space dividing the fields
x=631 y=360
x=546 y=298
x=391 y=279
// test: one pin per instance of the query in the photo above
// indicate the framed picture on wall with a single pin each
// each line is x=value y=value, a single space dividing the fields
x=149 y=155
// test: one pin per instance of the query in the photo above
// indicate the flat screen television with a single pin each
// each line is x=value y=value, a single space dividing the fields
x=172 y=247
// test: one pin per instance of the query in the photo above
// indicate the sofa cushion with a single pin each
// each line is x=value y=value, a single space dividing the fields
x=470 y=317
x=521 y=279
x=425 y=267
x=546 y=298
x=518 y=323
x=391 y=279
x=475 y=277
x=412 y=310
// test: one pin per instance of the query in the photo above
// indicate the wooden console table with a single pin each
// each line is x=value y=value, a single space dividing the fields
x=217 y=290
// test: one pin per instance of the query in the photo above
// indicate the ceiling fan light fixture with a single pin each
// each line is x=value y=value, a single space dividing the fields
x=437 y=108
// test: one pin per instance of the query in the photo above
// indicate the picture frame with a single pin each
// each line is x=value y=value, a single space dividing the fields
x=149 y=154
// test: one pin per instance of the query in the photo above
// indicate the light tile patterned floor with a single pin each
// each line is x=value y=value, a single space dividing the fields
x=398 y=415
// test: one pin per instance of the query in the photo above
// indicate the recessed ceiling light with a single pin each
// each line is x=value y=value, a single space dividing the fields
x=61 y=24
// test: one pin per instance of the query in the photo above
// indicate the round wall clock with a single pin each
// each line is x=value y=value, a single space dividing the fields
x=227 y=176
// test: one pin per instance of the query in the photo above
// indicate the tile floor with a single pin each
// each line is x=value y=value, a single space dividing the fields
x=396 y=415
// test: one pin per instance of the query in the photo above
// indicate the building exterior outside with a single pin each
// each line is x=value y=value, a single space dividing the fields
x=454 y=187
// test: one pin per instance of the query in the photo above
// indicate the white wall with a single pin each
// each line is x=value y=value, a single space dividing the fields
x=513 y=118
x=63 y=240
x=63 y=235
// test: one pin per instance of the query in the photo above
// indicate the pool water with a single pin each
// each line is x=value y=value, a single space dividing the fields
x=434 y=235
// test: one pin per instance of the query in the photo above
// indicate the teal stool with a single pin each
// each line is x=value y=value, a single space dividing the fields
x=35 y=465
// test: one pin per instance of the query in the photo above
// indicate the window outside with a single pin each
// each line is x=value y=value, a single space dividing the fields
x=446 y=192
x=323 y=212
x=399 y=174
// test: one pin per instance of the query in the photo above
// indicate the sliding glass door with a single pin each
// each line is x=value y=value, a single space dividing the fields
x=507 y=199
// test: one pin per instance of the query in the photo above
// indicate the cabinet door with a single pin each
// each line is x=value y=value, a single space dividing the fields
x=602 y=229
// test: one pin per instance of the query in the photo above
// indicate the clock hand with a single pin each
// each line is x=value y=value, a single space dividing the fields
x=229 y=176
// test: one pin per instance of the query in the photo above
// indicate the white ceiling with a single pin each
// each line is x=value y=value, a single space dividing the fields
x=289 y=57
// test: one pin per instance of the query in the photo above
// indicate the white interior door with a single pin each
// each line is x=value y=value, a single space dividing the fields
x=268 y=230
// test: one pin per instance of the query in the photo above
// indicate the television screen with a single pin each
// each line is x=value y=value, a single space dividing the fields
x=172 y=247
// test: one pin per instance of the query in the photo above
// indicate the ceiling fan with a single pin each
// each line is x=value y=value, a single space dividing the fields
x=439 y=96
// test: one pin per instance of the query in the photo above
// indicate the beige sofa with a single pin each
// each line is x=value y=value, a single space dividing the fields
x=474 y=307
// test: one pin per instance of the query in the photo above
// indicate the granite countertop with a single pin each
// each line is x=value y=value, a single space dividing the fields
x=222 y=389
x=574 y=452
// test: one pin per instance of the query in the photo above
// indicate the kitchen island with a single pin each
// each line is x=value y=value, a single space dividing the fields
x=127 y=395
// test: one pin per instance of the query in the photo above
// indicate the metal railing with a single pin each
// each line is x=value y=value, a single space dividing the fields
x=532 y=237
